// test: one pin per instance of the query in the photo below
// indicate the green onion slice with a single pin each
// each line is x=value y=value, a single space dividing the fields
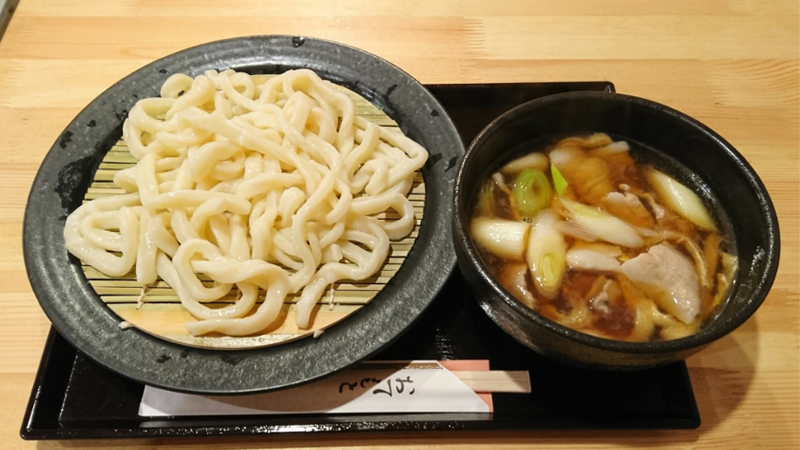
x=558 y=180
x=531 y=193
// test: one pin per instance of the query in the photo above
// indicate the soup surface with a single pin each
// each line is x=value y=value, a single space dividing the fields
x=589 y=234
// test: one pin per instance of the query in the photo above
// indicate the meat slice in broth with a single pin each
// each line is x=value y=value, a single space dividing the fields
x=668 y=278
x=514 y=277
x=629 y=208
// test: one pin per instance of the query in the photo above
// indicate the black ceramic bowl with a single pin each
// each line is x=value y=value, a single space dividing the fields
x=719 y=171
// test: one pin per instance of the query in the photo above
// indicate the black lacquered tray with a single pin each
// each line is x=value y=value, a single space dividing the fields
x=74 y=398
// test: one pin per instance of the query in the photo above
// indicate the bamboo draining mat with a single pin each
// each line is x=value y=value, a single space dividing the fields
x=158 y=311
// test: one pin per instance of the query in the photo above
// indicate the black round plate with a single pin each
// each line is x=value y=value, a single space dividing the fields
x=81 y=317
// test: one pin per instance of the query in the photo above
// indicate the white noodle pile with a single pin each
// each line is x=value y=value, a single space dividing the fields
x=274 y=186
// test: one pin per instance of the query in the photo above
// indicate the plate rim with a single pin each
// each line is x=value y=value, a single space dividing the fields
x=93 y=328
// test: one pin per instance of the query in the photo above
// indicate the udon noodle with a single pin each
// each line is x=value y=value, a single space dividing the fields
x=272 y=186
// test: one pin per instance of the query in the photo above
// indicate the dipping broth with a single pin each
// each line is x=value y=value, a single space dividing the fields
x=594 y=235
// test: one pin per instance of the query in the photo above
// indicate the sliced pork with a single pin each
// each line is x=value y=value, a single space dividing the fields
x=667 y=277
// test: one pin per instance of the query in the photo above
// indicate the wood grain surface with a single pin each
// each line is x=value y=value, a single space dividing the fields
x=732 y=64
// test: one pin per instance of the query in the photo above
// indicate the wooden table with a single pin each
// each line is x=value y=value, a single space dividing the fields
x=732 y=64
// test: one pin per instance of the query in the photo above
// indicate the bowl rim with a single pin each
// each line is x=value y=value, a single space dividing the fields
x=699 y=339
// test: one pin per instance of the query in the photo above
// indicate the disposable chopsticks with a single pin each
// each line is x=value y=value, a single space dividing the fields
x=496 y=380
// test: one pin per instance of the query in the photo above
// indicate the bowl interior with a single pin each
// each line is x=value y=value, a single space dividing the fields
x=716 y=170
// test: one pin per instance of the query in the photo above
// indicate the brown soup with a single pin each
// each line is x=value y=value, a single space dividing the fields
x=590 y=235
